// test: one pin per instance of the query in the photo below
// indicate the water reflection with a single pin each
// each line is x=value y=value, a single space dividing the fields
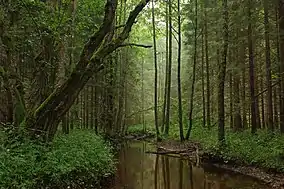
x=138 y=170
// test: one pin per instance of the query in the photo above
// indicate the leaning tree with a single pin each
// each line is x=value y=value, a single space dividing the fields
x=44 y=120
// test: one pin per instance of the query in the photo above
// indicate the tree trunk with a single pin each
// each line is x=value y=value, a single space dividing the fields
x=281 y=42
x=268 y=68
x=156 y=73
x=208 y=93
x=167 y=125
x=179 y=75
x=190 y=116
x=166 y=72
x=222 y=76
x=251 y=72
x=203 y=83
x=43 y=122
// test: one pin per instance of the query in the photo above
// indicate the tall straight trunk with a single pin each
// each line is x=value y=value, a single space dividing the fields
x=92 y=107
x=263 y=117
x=236 y=94
x=231 y=98
x=156 y=73
x=269 y=106
x=179 y=75
x=281 y=44
x=142 y=97
x=96 y=105
x=81 y=110
x=190 y=113
x=251 y=72
x=87 y=106
x=208 y=93
x=167 y=125
x=277 y=39
x=244 y=104
x=275 y=100
x=203 y=83
x=222 y=76
x=166 y=72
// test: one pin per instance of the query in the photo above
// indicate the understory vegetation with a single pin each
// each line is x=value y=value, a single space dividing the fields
x=261 y=150
x=80 y=158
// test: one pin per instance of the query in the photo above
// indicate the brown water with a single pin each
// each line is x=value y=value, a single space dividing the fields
x=139 y=170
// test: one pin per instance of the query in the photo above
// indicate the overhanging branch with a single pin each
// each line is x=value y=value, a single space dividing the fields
x=135 y=45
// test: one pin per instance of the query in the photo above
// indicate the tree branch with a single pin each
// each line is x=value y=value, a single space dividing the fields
x=135 y=45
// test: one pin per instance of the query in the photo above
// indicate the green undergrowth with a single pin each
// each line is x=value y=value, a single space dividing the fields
x=80 y=158
x=138 y=130
x=262 y=149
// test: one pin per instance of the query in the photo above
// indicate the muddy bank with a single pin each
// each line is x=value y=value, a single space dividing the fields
x=193 y=151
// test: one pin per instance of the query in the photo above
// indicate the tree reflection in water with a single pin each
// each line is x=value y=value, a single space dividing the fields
x=139 y=170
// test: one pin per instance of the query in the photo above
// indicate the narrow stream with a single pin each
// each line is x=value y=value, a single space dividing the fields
x=139 y=170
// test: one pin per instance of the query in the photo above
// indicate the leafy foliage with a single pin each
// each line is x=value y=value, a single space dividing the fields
x=80 y=158
x=261 y=150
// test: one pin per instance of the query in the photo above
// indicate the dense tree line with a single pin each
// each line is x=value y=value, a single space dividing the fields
x=212 y=63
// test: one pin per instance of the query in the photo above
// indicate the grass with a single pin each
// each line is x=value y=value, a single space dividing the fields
x=138 y=130
x=80 y=158
x=263 y=149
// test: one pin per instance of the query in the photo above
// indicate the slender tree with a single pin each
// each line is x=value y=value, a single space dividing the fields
x=281 y=42
x=251 y=71
x=268 y=68
x=222 y=75
x=169 y=73
x=179 y=75
x=208 y=93
x=190 y=113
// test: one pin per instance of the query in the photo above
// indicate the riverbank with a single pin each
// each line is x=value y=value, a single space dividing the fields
x=260 y=156
x=78 y=159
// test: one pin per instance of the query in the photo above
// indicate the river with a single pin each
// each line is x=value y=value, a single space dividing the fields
x=139 y=170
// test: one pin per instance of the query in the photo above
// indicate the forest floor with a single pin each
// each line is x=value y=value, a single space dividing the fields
x=260 y=156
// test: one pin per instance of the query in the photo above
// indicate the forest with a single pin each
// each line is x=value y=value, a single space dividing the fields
x=198 y=78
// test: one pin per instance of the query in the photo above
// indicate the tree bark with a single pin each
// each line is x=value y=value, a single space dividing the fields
x=43 y=122
x=167 y=122
x=251 y=72
x=179 y=76
x=281 y=44
x=268 y=68
x=156 y=73
x=190 y=113
x=208 y=93
x=222 y=76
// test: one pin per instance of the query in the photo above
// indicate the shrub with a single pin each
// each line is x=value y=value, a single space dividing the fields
x=78 y=158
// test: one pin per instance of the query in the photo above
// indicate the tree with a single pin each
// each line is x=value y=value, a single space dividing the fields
x=251 y=72
x=156 y=72
x=222 y=75
x=45 y=119
x=190 y=116
x=169 y=73
x=179 y=75
x=268 y=68
x=281 y=41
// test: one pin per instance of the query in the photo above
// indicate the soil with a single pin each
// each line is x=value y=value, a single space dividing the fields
x=192 y=150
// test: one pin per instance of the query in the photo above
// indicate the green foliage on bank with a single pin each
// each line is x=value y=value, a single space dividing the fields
x=138 y=130
x=264 y=149
x=80 y=158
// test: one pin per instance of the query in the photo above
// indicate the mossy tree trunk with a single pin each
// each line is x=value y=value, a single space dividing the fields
x=43 y=122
